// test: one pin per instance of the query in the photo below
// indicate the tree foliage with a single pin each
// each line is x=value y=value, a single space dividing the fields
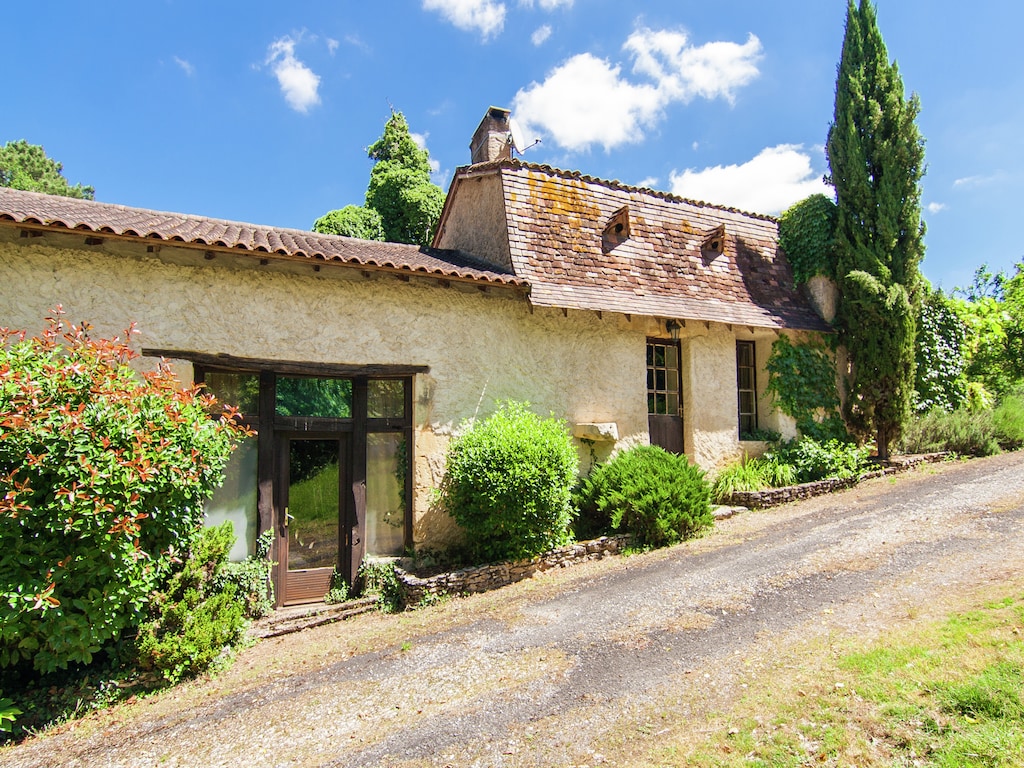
x=876 y=160
x=26 y=166
x=940 y=375
x=352 y=221
x=807 y=234
x=400 y=192
x=102 y=482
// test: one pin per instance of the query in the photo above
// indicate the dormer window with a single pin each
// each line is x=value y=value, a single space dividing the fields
x=714 y=240
x=616 y=231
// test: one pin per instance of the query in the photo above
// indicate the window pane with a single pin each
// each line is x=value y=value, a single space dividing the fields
x=325 y=398
x=650 y=378
x=671 y=357
x=659 y=355
x=652 y=404
x=235 y=500
x=673 y=380
x=242 y=390
x=746 y=402
x=672 y=404
x=385 y=398
x=313 y=503
x=660 y=403
x=659 y=381
x=746 y=378
x=386 y=465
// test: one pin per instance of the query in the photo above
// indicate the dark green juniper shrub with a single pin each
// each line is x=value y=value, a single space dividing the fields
x=658 y=497
x=197 y=615
x=509 y=484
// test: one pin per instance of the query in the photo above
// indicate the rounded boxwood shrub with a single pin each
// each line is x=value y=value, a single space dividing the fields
x=658 y=497
x=509 y=484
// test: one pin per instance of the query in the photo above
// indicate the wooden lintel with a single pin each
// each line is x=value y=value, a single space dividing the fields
x=286 y=366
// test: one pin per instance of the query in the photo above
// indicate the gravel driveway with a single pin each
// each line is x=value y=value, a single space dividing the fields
x=553 y=671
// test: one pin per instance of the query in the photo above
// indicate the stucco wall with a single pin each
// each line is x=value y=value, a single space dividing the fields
x=480 y=347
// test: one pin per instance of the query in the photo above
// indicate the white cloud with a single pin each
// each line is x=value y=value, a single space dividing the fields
x=971 y=182
x=547 y=5
x=586 y=100
x=485 y=16
x=769 y=183
x=936 y=207
x=683 y=71
x=332 y=45
x=540 y=35
x=651 y=182
x=185 y=65
x=299 y=83
x=421 y=141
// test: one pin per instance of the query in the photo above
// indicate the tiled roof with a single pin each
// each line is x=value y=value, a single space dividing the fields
x=662 y=266
x=65 y=213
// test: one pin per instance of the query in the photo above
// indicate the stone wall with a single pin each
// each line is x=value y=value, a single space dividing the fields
x=772 y=497
x=486 y=577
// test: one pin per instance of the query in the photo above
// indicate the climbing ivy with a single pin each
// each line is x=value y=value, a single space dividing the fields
x=802 y=378
x=806 y=232
x=940 y=346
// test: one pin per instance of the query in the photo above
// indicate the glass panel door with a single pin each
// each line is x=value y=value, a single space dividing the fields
x=313 y=507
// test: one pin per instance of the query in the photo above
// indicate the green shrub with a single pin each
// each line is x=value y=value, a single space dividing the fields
x=509 y=484
x=813 y=460
x=378 y=577
x=755 y=474
x=102 y=479
x=1008 y=420
x=966 y=432
x=251 y=579
x=8 y=714
x=657 y=496
x=969 y=431
x=196 y=616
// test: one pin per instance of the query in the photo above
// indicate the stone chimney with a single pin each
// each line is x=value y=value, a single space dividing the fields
x=492 y=139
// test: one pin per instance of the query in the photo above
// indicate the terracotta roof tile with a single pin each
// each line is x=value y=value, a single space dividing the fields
x=555 y=223
x=54 y=212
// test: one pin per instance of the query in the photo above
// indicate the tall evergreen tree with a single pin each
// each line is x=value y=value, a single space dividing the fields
x=400 y=187
x=876 y=160
x=402 y=204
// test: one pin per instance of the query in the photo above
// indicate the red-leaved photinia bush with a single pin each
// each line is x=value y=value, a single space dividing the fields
x=103 y=475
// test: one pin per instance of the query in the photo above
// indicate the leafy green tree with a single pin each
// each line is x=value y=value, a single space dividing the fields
x=876 y=161
x=352 y=221
x=941 y=345
x=26 y=166
x=402 y=204
x=400 y=187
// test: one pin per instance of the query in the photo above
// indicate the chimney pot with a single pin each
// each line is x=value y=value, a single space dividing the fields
x=491 y=139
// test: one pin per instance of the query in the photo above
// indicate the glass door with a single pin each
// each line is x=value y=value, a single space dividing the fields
x=314 y=509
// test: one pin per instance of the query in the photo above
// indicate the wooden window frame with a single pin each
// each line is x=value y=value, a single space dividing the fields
x=746 y=421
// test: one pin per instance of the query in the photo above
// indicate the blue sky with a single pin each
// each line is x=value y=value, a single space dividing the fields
x=261 y=112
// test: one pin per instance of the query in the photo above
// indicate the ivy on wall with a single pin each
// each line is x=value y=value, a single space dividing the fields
x=806 y=233
x=802 y=379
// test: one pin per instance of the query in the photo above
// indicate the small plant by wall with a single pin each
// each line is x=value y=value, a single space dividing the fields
x=509 y=484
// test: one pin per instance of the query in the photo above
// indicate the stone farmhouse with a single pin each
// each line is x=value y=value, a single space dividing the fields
x=634 y=315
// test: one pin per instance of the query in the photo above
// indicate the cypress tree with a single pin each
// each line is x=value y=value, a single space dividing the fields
x=876 y=160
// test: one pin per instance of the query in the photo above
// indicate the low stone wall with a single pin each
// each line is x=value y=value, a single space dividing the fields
x=486 y=577
x=772 y=497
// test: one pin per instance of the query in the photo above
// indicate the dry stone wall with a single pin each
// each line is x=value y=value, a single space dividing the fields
x=486 y=577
